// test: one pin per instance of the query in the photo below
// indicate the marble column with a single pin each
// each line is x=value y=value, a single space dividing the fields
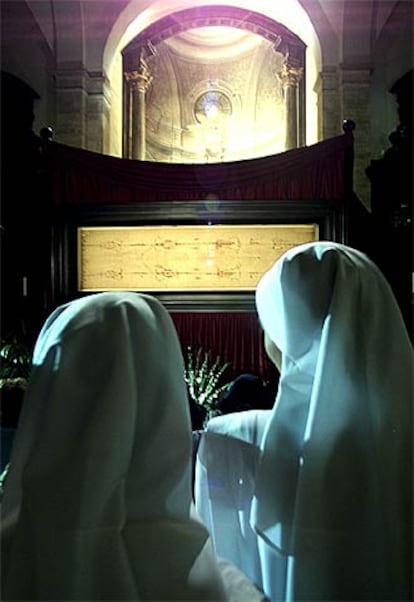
x=290 y=77
x=139 y=81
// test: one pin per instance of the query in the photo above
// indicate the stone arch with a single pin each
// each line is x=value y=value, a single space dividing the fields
x=235 y=17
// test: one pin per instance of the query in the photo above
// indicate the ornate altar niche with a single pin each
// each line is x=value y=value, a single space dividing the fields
x=183 y=105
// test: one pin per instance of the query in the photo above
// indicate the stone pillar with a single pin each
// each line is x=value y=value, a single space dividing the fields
x=82 y=107
x=71 y=99
x=290 y=77
x=139 y=81
x=329 y=118
x=97 y=113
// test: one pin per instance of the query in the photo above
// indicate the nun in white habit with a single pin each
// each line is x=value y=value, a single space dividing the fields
x=97 y=502
x=334 y=483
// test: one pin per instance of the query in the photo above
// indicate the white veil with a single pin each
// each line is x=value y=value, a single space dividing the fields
x=97 y=502
x=333 y=488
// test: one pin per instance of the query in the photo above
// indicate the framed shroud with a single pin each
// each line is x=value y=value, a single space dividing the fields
x=192 y=255
x=190 y=258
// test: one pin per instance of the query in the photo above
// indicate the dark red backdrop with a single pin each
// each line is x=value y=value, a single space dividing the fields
x=235 y=336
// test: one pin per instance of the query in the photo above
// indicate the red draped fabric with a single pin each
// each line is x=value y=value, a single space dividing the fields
x=235 y=336
x=313 y=172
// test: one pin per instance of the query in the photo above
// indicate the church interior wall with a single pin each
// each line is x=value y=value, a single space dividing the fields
x=391 y=57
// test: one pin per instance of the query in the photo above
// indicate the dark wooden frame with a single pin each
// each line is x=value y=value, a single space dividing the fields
x=329 y=215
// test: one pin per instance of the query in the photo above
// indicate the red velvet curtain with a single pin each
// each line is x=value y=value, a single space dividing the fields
x=235 y=336
x=308 y=173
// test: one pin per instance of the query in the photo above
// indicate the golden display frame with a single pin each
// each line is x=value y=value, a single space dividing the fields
x=183 y=258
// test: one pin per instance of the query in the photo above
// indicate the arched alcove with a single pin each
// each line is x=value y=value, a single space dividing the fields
x=255 y=32
x=213 y=84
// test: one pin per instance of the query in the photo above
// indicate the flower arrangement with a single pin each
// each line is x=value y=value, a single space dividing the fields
x=202 y=376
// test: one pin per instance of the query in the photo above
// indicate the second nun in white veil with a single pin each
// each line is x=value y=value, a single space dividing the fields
x=333 y=488
x=97 y=503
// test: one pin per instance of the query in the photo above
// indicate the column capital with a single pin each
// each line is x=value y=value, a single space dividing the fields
x=290 y=75
x=140 y=78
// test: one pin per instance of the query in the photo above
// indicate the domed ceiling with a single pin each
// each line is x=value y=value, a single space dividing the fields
x=215 y=95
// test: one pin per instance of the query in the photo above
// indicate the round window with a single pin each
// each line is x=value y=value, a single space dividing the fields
x=212 y=104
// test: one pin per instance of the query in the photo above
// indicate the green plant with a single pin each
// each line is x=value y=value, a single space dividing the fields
x=202 y=376
x=15 y=362
x=15 y=366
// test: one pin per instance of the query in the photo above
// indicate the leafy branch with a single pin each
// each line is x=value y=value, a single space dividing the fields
x=202 y=376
